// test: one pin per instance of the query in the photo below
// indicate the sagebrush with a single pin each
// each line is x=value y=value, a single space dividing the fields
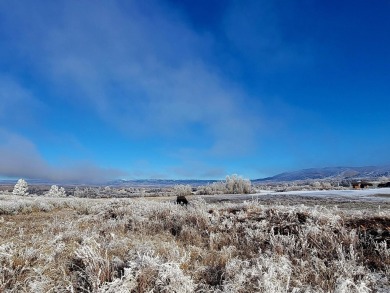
x=139 y=245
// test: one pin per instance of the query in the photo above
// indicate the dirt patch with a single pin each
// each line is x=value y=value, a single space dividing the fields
x=383 y=195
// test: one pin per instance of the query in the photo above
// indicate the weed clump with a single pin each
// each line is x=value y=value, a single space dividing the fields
x=139 y=245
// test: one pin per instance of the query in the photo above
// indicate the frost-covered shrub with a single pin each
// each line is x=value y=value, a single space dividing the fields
x=21 y=188
x=316 y=185
x=233 y=184
x=86 y=192
x=141 y=245
x=92 y=265
x=56 y=191
x=148 y=272
x=213 y=188
x=182 y=190
x=236 y=184
x=262 y=274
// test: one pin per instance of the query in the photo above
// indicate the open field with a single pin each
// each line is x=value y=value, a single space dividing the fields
x=344 y=199
x=274 y=243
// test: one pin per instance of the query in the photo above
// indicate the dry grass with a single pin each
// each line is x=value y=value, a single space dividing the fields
x=139 y=245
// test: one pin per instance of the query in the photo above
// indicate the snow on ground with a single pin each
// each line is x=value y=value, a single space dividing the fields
x=382 y=194
x=363 y=195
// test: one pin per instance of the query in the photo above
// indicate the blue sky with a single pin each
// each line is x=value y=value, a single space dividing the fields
x=96 y=90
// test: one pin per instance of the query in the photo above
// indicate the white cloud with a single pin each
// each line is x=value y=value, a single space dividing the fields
x=142 y=69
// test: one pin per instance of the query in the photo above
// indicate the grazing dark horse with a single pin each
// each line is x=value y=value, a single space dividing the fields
x=181 y=199
x=365 y=184
x=387 y=184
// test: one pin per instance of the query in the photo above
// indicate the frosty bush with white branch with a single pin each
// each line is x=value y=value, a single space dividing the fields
x=182 y=190
x=56 y=191
x=141 y=245
x=233 y=184
x=236 y=184
x=21 y=188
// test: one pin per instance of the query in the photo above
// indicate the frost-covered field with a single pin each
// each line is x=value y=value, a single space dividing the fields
x=372 y=196
x=145 y=245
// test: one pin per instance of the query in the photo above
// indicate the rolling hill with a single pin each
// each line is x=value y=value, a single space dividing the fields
x=369 y=172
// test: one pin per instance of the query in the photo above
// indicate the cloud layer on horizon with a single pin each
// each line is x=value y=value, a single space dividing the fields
x=20 y=159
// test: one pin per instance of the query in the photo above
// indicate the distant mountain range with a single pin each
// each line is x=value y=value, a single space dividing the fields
x=353 y=173
x=118 y=183
x=330 y=173
x=158 y=182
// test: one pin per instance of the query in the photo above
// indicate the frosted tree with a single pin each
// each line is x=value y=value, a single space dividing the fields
x=316 y=184
x=21 y=188
x=78 y=192
x=56 y=191
x=182 y=190
x=235 y=184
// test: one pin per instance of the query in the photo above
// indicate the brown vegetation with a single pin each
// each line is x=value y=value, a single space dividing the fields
x=136 y=245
